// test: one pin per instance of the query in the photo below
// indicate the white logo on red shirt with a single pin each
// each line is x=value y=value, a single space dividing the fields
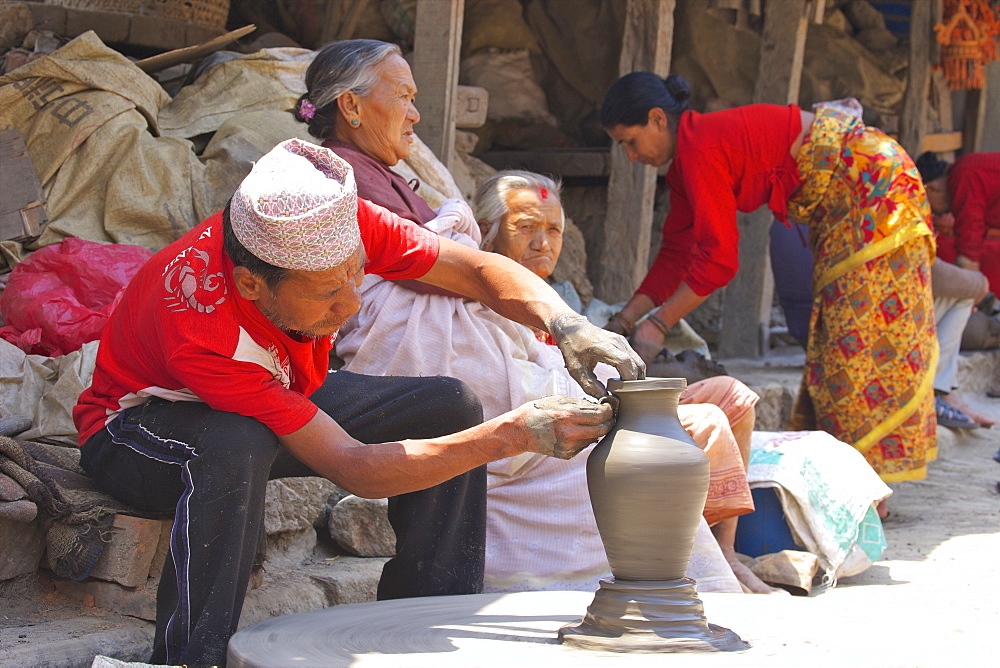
x=188 y=283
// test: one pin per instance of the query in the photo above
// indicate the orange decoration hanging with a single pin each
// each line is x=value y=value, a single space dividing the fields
x=968 y=36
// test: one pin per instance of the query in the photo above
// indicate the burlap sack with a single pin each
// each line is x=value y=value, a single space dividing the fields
x=114 y=153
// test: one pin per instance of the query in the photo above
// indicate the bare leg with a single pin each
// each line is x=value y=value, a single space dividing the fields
x=725 y=534
x=725 y=531
x=742 y=431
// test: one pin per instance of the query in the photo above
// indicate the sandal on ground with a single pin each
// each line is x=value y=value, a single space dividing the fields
x=994 y=392
x=949 y=416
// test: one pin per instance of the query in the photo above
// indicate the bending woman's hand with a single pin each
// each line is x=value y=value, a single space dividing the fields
x=583 y=345
x=647 y=340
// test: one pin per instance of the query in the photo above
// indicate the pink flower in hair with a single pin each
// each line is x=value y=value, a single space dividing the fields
x=307 y=110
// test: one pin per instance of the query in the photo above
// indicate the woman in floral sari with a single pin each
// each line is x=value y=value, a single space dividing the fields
x=872 y=349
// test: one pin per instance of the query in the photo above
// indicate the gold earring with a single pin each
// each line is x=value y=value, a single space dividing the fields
x=355 y=122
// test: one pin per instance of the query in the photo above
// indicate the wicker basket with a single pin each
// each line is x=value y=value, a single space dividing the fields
x=209 y=13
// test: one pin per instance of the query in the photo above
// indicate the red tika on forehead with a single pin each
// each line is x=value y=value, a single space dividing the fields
x=544 y=193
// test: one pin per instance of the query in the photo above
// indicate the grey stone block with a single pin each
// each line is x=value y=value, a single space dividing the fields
x=294 y=504
x=361 y=527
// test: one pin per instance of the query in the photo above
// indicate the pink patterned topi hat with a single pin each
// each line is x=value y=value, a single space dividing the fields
x=298 y=208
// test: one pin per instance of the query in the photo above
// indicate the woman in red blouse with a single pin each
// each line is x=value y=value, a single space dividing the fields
x=872 y=349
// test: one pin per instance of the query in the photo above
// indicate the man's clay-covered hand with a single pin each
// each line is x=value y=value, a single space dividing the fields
x=583 y=345
x=562 y=426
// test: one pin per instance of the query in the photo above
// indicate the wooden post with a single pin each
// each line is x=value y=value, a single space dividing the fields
x=746 y=313
x=646 y=43
x=913 y=119
x=974 y=120
x=436 y=51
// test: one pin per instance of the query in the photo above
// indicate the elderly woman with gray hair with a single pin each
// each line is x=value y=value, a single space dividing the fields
x=541 y=533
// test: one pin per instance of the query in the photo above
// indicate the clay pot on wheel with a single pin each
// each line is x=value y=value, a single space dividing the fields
x=648 y=483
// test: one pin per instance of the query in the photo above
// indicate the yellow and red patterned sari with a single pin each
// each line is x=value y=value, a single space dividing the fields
x=872 y=340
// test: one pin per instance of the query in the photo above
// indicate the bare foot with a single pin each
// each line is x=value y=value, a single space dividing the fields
x=882 y=509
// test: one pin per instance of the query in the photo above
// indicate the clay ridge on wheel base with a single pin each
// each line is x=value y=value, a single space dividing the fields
x=649 y=616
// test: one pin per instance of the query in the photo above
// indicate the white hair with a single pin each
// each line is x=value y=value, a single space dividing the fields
x=491 y=197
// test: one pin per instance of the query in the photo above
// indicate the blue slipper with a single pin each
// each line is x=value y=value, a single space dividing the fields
x=949 y=416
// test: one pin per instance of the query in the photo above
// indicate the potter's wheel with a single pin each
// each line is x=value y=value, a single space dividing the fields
x=486 y=630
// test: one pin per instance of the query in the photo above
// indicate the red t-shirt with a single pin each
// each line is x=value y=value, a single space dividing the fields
x=974 y=185
x=724 y=162
x=183 y=333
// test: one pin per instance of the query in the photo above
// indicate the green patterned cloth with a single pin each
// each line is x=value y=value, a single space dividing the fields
x=827 y=491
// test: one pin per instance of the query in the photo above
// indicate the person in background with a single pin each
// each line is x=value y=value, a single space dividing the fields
x=968 y=189
x=965 y=199
x=212 y=377
x=872 y=350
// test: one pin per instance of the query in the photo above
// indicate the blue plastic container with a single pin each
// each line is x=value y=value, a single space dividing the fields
x=764 y=531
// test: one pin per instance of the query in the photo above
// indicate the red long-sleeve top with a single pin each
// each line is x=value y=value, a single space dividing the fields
x=974 y=185
x=724 y=162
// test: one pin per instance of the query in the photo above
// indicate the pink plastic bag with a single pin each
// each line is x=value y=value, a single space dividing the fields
x=60 y=297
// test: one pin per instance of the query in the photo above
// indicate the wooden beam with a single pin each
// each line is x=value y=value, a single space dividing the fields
x=646 y=43
x=913 y=119
x=941 y=142
x=562 y=162
x=436 y=50
x=746 y=313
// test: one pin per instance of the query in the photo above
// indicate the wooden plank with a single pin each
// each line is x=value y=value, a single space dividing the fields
x=436 y=51
x=624 y=253
x=191 y=53
x=782 y=51
x=746 y=311
x=941 y=142
x=913 y=118
x=565 y=163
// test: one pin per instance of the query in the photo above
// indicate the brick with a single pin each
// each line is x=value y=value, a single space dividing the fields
x=128 y=557
x=162 y=549
x=21 y=548
x=133 y=601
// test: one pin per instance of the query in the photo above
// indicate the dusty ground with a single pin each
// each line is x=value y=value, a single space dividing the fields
x=931 y=601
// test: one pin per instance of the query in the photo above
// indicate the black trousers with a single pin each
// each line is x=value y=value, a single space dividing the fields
x=210 y=468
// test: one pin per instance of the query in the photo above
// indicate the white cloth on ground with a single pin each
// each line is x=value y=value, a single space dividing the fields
x=538 y=507
x=827 y=491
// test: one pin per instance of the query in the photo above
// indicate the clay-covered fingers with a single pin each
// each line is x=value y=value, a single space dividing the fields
x=583 y=345
x=560 y=426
